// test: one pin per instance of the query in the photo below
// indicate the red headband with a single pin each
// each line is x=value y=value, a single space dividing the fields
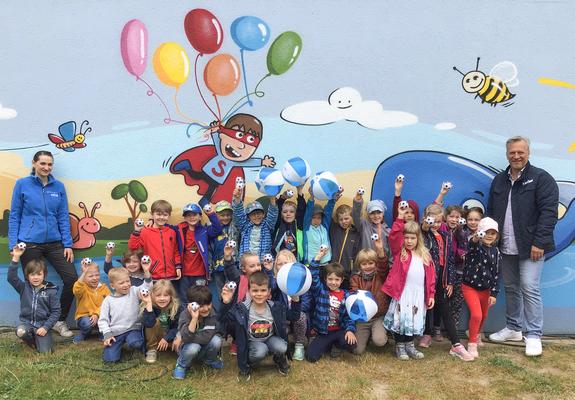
x=246 y=138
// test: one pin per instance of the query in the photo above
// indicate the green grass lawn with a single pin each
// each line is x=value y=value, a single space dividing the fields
x=502 y=372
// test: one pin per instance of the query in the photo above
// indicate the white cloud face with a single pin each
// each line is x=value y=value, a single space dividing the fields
x=346 y=103
x=7 y=113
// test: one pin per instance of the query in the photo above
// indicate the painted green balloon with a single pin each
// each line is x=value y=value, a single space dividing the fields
x=283 y=52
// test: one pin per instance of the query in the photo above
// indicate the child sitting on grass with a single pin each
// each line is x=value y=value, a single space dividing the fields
x=39 y=302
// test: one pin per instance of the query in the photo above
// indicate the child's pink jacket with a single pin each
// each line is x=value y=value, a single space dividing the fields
x=397 y=276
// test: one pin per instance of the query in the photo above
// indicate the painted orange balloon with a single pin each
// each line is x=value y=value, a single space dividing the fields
x=222 y=74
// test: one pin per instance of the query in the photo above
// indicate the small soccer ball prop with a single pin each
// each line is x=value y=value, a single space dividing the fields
x=296 y=171
x=403 y=204
x=374 y=237
x=231 y=243
x=340 y=189
x=324 y=185
x=294 y=279
x=270 y=181
x=21 y=246
x=400 y=178
x=208 y=208
x=323 y=247
x=87 y=261
x=231 y=285
x=361 y=191
x=239 y=179
x=268 y=258
x=289 y=193
x=240 y=183
x=139 y=222
x=144 y=291
x=195 y=306
x=361 y=306
x=429 y=220
x=110 y=245
x=461 y=221
x=146 y=260
x=481 y=234
x=447 y=185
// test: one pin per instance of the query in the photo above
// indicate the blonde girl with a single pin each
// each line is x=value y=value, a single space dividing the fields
x=161 y=312
x=410 y=284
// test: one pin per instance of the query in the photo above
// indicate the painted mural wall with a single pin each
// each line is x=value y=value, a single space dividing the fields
x=136 y=100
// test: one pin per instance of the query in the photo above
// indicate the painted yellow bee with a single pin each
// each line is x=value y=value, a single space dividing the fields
x=493 y=88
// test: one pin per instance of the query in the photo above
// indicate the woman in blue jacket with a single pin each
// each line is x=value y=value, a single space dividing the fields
x=39 y=217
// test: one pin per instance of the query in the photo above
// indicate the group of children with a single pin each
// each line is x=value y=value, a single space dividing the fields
x=419 y=272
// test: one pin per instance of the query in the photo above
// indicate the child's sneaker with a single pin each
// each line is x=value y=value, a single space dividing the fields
x=77 y=339
x=400 y=352
x=299 y=352
x=218 y=363
x=425 y=341
x=244 y=376
x=62 y=329
x=335 y=352
x=437 y=336
x=459 y=351
x=233 y=349
x=412 y=352
x=151 y=356
x=282 y=363
x=179 y=372
x=472 y=349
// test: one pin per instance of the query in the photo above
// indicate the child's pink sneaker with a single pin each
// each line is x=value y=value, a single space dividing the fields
x=425 y=341
x=459 y=351
x=233 y=349
x=472 y=349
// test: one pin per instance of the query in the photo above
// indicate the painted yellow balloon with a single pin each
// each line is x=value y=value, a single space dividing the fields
x=171 y=64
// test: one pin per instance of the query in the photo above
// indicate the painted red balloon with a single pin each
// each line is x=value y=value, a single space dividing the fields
x=204 y=31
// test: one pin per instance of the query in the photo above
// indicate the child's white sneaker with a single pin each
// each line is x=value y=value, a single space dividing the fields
x=299 y=352
x=62 y=329
x=151 y=356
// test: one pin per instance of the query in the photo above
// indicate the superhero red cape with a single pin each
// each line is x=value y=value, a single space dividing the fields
x=198 y=157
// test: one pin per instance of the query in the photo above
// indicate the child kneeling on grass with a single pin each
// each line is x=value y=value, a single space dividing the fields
x=89 y=293
x=201 y=331
x=39 y=303
x=120 y=318
x=259 y=326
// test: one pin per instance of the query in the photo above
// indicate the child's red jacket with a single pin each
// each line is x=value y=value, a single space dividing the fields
x=161 y=244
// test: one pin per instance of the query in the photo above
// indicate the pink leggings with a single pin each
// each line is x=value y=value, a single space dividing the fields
x=478 y=304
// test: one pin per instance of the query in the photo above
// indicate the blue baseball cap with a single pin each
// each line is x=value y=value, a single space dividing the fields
x=254 y=206
x=191 y=208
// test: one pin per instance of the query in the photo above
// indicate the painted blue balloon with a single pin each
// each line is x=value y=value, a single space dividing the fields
x=250 y=33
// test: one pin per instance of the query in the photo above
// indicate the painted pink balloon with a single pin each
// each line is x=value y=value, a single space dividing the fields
x=134 y=47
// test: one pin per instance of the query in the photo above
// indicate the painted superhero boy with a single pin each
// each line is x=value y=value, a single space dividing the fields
x=214 y=169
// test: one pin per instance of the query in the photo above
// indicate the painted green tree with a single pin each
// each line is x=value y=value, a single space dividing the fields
x=137 y=192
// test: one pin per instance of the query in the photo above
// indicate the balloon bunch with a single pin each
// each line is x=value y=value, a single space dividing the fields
x=222 y=72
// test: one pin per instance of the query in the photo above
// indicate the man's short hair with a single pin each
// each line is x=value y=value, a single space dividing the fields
x=516 y=139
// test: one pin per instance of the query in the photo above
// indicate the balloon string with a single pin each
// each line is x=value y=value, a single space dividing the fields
x=245 y=77
x=151 y=92
x=218 y=105
x=198 y=85
x=256 y=92
x=189 y=119
x=205 y=135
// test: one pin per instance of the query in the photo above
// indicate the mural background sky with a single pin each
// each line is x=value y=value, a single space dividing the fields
x=61 y=61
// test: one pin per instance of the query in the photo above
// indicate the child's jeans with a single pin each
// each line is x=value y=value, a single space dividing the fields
x=186 y=282
x=27 y=333
x=373 y=329
x=257 y=351
x=196 y=352
x=85 y=327
x=133 y=340
x=323 y=343
x=216 y=284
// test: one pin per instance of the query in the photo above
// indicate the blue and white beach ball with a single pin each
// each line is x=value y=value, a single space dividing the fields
x=361 y=306
x=296 y=171
x=294 y=279
x=270 y=181
x=324 y=185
